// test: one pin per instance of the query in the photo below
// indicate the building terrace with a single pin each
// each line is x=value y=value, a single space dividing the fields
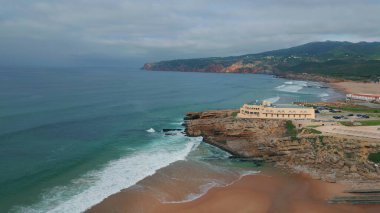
x=269 y=111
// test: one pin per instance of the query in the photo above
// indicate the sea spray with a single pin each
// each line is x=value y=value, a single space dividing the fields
x=151 y=130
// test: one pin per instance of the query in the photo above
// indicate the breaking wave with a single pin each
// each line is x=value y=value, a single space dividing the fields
x=92 y=187
x=151 y=130
x=273 y=99
x=292 y=86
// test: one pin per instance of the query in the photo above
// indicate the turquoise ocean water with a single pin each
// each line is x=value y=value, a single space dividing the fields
x=70 y=137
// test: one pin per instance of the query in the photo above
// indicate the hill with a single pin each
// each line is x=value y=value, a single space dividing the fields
x=321 y=60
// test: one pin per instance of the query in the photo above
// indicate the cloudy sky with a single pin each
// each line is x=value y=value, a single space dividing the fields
x=120 y=32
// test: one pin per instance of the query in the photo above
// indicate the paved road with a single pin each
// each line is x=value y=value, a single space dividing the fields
x=358 y=131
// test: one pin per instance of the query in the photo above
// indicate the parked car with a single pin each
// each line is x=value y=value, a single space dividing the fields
x=350 y=114
x=338 y=116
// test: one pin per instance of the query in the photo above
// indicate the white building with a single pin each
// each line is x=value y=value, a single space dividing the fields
x=363 y=97
x=268 y=110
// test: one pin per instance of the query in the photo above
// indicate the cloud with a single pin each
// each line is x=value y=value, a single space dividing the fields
x=68 y=32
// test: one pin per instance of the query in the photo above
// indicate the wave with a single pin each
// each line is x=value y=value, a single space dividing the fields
x=273 y=99
x=212 y=184
x=94 y=186
x=323 y=95
x=151 y=130
x=292 y=86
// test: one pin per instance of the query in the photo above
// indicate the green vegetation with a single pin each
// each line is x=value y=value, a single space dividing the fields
x=346 y=123
x=374 y=157
x=234 y=114
x=356 y=108
x=353 y=108
x=374 y=115
x=349 y=155
x=291 y=129
x=362 y=123
x=312 y=131
x=355 y=61
x=370 y=123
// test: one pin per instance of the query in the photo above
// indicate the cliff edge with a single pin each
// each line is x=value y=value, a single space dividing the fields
x=327 y=157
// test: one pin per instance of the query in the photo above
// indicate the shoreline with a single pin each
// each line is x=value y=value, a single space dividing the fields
x=268 y=191
x=356 y=87
x=215 y=192
x=338 y=84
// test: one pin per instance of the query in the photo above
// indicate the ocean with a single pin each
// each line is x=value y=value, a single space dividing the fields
x=70 y=137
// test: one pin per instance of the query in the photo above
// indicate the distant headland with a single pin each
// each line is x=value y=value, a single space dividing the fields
x=327 y=61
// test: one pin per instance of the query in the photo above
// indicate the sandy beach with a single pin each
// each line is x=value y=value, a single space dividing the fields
x=269 y=191
x=265 y=192
x=357 y=87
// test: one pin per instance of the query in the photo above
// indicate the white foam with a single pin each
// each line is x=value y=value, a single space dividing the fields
x=213 y=183
x=93 y=187
x=323 y=95
x=151 y=130
x=292 y=86
x=289 y=82
x=273 y=99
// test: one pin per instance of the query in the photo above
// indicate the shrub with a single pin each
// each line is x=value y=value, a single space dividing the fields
x=234 y=114
x=374 y=157
x=313 y=131
x=290 y=129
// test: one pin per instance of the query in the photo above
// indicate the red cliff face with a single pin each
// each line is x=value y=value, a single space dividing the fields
x=214 y=68
x=238 y=67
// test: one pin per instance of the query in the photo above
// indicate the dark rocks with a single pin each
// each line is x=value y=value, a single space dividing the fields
x=192 y=116
x=171 y=130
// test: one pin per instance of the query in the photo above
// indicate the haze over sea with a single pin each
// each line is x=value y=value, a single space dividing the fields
x=70 y=137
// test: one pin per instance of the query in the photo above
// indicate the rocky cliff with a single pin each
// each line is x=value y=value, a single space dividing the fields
x=331 y=158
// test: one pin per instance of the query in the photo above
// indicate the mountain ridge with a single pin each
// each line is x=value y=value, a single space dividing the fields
x=326 y=59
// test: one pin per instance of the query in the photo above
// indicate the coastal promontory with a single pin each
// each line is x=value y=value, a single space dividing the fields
x=333 y=158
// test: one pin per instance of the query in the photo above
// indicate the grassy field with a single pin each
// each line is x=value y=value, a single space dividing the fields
x=356 y=108
x=370 y=123
x=360 y=109
x=362 y=123
x=350 y=108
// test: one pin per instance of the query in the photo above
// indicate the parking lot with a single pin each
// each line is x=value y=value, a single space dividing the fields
x=326 y=114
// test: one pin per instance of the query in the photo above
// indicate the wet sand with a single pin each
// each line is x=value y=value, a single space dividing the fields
x=265 y=192
x=357 y=87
